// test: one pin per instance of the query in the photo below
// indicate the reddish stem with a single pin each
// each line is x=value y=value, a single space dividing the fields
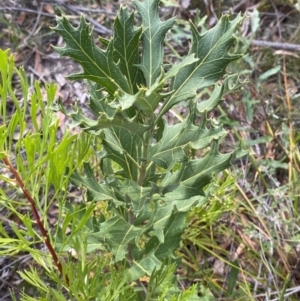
x=37 y=218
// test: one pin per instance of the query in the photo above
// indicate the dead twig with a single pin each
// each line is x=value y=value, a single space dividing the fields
x=276 y=45
x=27 y=10
x=277 y=18
x=78 y=10
x=99 y=28
x=37 y=21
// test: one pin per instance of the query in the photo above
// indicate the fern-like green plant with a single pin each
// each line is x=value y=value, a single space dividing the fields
x=151 y=173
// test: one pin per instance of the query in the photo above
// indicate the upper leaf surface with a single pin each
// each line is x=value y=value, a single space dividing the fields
x=145 y=266
x=96 y=191
x=194 y=175
x=98 y=102
x=158 y=249
x=172 y=235
x=147 y=99
x=179 y=139
x=105 y=121
x=212 y=50
x=154 y=31
x=140 y=198
x=126 y=42
x=98 y=64
x=124 y=148
x=117 y=233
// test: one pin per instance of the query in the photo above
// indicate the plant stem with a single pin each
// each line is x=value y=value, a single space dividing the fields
x=140 y=181
x=130 y=221
x=37 y=217
x=130 y=254
x=144 y=158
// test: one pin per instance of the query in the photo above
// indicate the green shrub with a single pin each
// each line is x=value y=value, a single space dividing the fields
x=152 y=173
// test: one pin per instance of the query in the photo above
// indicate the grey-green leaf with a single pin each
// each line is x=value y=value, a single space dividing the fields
x=119 y=119
x=118 y=233
x=123 y=147
x=96 y=191
x=178 y=140
x=212 y=50
x=145 y=266
x=126 y=52
x=98 y=65
x=215 y=98
x=140 y=198
x=194 y=175
x=154 y=31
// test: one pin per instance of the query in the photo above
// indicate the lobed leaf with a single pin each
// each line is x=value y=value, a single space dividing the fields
x=119 y=120
x=212 y=50
x=145 y=266
x=145 y=100
x=178 y=140
x=159 y=247
x=117 y=233
x=123 y=147
x=95 y=191
x=154 y=31
x=139 y=198
x=172 y=235
x=98 y=65
x=194 y=175
x=126 y=53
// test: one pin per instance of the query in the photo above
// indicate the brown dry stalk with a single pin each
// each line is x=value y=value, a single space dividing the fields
x=37 y=217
